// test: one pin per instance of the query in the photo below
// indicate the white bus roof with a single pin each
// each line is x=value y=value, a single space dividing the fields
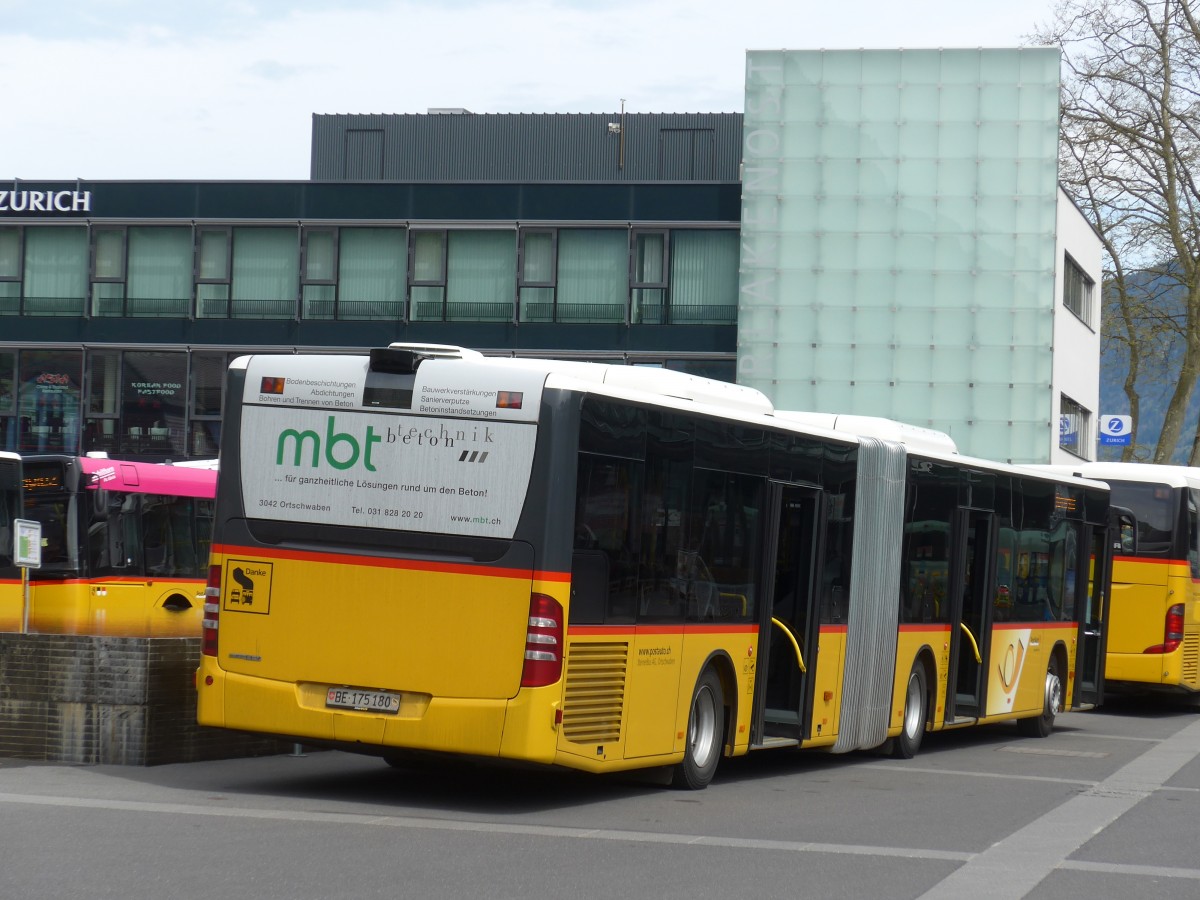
x=1175 y=476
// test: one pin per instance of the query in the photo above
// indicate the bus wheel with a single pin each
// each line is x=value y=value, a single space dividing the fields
x=1041 y=726
x=916 y=704
x=704 y=734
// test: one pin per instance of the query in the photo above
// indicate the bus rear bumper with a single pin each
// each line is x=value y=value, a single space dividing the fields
x=469 y=726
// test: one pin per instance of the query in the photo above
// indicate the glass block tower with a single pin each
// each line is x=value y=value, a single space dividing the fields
x=901 y=243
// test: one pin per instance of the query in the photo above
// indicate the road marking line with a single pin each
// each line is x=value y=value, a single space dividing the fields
x=1003 y=776
x=554 y=831
x=1013 y=867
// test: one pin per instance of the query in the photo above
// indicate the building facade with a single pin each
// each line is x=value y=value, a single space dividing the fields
x=907 y=252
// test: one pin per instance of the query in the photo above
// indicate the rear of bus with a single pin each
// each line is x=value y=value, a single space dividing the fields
x=1154 y=641
x=124 y=546
x=1154 y=625
x=370 y=555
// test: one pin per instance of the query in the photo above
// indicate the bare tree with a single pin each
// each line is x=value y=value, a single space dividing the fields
x=1129 y=118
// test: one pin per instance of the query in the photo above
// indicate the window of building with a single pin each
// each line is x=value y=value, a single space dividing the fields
x=319 y=260
x=142 y=271
x=248 y=273
x=593 y=275
x=464 y=276
x=371 y=265
x=1075 y=428
x=55 y=271
x=703 y=285
x=1077 y=291
x=427 y=276
x=10 y=271
x=538 y=255
x=704 y=277
x=212 y=272
x=649 y=284
x=574 y=275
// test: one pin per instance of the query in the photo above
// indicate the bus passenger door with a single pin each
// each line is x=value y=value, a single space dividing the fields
x=972 y=579
x=789 y=624
x=1093 y=603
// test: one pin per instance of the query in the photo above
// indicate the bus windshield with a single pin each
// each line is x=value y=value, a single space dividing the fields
x=1154 y=506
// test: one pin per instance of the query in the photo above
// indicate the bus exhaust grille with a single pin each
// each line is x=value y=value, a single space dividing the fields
x=594 y=700
x=1191 y=658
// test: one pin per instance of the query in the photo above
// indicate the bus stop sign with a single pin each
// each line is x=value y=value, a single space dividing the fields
x=27 y=543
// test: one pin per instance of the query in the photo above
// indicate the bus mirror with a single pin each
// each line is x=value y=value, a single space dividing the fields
x=100 y=500
x=1125 y=540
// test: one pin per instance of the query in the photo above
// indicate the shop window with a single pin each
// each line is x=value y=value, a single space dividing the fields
x=103 y=401
x=208 y=382
x=8 y=399
x=153 y=406
x=48 y=401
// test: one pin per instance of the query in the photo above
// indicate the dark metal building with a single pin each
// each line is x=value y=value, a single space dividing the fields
x=456 y=145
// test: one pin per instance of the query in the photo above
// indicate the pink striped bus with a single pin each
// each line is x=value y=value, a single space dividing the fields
x=124 y=547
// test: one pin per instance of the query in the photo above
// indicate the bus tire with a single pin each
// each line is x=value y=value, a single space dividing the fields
x=705 y=734
x=1052 y=704
x=916 y=712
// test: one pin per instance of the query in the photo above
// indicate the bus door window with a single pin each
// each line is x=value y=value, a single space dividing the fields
x=792 y=601
x=971 y=608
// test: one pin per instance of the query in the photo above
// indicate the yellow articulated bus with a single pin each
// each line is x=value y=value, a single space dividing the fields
x=124 y=552
x=607 y=567
x=10 y=511
x=1154 y=633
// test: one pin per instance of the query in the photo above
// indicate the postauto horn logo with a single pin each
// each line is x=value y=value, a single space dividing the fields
x=341 y=450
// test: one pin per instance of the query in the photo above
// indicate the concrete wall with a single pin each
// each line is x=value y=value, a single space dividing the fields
x=121 y=701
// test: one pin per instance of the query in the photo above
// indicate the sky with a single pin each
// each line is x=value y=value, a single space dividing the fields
x=226 y=89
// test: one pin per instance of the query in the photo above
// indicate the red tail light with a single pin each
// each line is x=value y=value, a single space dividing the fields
x=212 y=609
x=1172 y=631
x=543 y=642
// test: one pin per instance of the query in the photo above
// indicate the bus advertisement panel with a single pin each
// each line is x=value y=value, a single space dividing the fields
x=124 y=547
x=607 y=568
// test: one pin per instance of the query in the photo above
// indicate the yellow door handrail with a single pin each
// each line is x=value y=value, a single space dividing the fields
x=971 y=638
x=795 y=646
